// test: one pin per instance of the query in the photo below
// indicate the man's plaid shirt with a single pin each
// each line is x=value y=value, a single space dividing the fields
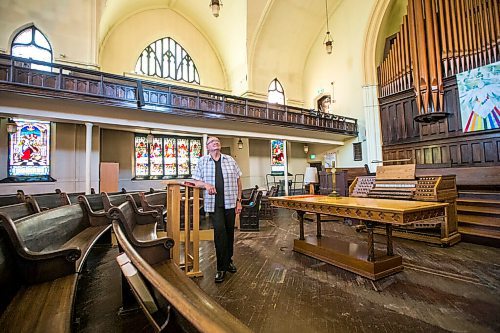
x=205 y=171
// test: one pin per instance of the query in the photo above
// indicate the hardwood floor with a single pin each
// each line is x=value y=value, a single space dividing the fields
x=278 y=290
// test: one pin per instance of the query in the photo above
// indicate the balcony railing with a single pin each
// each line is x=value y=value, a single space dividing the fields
x=60 y=81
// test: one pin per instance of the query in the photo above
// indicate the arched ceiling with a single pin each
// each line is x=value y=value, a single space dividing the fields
x=257 y=36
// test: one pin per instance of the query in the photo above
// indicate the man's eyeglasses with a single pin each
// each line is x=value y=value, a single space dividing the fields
x=212 y=141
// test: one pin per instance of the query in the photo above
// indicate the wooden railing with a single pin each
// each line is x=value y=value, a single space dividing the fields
x=58 y=81
x=175 y=198
x=439 y=39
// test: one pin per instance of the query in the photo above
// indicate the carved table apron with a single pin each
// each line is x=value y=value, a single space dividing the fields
x=357 y=258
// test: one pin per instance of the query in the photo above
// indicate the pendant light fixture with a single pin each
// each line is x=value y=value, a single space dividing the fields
x=150 y=138
x=328 y=41
x=215 y=5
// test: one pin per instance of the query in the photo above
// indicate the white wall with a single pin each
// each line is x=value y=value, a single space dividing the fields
x=67 y=161
x=67 y=24
x=125 y=42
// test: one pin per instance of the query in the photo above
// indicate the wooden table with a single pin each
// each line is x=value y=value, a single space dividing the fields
x=358 y=258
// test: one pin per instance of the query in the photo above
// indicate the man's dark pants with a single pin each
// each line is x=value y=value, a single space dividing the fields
x=223 y=222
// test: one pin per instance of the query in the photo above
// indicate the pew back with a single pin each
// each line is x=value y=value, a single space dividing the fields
x=47 y=201
x=50 y=229
x=9 y=199
x=16 y=211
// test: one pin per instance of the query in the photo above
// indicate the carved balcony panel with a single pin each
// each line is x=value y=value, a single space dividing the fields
x=53 y=81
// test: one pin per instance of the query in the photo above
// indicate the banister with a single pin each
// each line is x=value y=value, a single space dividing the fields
x=122 y=91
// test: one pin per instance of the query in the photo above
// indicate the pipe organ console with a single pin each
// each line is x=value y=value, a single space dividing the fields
x=399 y=182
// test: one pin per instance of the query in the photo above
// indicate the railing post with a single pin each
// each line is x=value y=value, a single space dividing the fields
x=101 y=85
x=173 y=219
x=11 y=74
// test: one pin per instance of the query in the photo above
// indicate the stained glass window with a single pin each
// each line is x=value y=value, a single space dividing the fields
x=183 y=156
x=29 y=149
x=30 y=43
x=165 y=58
x=141 y=156
x=156 y=157
x=275 y=93
x=277 y=157
x=195 y=153
x=168 y=157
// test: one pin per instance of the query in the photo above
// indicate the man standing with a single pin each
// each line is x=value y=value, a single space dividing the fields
x=220 y=176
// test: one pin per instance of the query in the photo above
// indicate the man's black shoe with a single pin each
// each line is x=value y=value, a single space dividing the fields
x=232 y=268
x=220 y=276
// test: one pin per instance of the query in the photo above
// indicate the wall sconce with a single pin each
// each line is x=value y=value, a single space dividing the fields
x=150 y=138
x=240 y=144
x=328 y=41
x=215 y=5
x=11 y=126
x=306 y=149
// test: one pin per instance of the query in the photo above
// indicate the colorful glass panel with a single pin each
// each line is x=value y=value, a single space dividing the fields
x=183 y=157
x=156 y=157
x=277 y=157
x=479 y=95
x=29 y=148
x=170 y=157
x=141 y=156
x=195 y=153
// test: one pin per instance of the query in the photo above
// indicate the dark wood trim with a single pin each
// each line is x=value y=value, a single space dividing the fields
x=65 y=82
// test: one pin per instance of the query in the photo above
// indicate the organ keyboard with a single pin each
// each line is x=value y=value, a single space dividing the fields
x=399 y=182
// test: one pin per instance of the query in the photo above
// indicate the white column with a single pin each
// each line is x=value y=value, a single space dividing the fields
x=285 y=157
x=205 y=138
x=88 y=154
x=373 y=130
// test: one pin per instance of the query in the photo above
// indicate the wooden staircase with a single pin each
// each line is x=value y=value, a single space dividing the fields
x=479 y=216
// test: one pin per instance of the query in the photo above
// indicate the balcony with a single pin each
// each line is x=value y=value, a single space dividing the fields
x=59 y=81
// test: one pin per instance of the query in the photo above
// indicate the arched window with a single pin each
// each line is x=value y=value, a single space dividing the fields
x=165 y=58
x=31 y=43
x=275 y=93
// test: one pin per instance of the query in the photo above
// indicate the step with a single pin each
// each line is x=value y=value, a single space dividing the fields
x=479 y=195
x=495 y=234
x=479 y=210
x=478 y=202
x=490 y=221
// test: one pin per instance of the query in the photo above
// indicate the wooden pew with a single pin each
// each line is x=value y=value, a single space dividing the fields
x=115 y=200
x=171 y=301
x=39 y=279
x=9 y=199
x=249 y=216
x=41 y=202
x=53 y=243
x=16 y=211
x=266 y=211
x=21 y=305
x=140 y=228
x=73 y=197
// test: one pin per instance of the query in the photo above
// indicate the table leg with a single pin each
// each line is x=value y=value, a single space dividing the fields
x=388 y=231
x=318 y=225
x=371 y=245
x=301 y=224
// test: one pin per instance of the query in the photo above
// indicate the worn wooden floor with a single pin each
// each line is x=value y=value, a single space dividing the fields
x=277 y=290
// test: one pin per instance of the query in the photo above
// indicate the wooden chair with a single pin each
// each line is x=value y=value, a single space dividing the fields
x=325 y=182
x=266 y=210
x=297 y=184
x=249 y=216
